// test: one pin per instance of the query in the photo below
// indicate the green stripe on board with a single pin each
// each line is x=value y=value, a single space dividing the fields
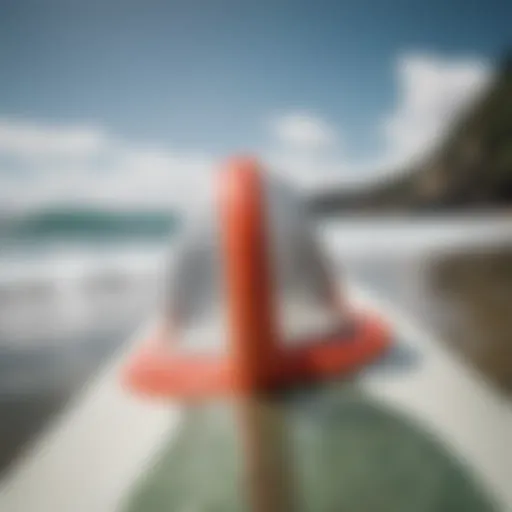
x=330 y=449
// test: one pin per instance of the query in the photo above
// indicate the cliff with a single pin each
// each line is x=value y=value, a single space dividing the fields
x=472 y=169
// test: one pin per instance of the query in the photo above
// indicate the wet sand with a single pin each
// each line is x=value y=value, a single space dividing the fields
x=476 y=291
x=464 y=297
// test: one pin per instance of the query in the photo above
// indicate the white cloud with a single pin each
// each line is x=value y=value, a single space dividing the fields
x=304 y=148
x=146 y=176
x=432 y=93
x=27 y=140
x=303 y=131
x=76 y=164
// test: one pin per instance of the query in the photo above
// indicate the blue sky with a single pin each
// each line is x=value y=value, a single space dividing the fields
x=201 y=79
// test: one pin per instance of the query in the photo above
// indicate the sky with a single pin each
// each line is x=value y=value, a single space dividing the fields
x=123 y=102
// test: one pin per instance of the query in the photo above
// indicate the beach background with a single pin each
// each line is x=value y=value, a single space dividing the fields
x=74 y=289
x=392 y=120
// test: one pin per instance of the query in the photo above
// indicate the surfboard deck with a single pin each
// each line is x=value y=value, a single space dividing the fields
x=323 y=449
x=105 y=449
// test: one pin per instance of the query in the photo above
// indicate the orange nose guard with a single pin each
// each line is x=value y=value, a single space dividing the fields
x=258 y=355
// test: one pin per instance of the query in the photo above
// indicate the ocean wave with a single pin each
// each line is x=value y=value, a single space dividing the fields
x=77 y=223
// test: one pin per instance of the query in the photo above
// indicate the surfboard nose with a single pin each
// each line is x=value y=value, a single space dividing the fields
x=253 y=304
